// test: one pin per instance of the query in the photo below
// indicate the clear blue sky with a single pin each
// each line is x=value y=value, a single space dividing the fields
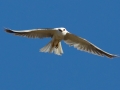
x=23 y=67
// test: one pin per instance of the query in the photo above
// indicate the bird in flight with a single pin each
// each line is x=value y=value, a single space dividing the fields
x=57 y=35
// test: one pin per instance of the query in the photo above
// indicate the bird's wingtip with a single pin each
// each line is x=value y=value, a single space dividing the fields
x=8 y=30
x=114 y=56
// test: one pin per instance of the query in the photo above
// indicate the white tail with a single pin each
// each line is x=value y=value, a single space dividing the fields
x=49 y=48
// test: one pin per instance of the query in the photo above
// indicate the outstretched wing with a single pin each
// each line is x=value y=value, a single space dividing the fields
x=82 y=44
x=34 y=33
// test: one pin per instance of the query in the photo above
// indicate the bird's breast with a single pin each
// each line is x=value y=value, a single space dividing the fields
x=58 y=37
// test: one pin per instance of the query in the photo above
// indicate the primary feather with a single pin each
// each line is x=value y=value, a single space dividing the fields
x=34 y=33
x=82 y=44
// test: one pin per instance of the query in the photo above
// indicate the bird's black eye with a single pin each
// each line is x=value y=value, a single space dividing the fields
x=60 y=30
x=63 y=29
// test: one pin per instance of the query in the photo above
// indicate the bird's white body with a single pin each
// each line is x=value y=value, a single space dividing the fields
x=58 y=34
x=55 y=44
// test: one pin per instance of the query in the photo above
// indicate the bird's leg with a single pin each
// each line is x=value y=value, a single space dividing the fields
x=52 y=44
x=56 y=46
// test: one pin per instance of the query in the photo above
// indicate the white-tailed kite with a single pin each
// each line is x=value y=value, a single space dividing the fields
x=57 y=35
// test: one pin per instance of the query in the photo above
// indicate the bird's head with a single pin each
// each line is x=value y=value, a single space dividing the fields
x=63 y=31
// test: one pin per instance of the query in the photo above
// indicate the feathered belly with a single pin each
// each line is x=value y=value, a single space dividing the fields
x=56 y=40
x=58 y=37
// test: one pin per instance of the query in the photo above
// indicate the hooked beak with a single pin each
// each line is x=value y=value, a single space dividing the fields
x=60 y=30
